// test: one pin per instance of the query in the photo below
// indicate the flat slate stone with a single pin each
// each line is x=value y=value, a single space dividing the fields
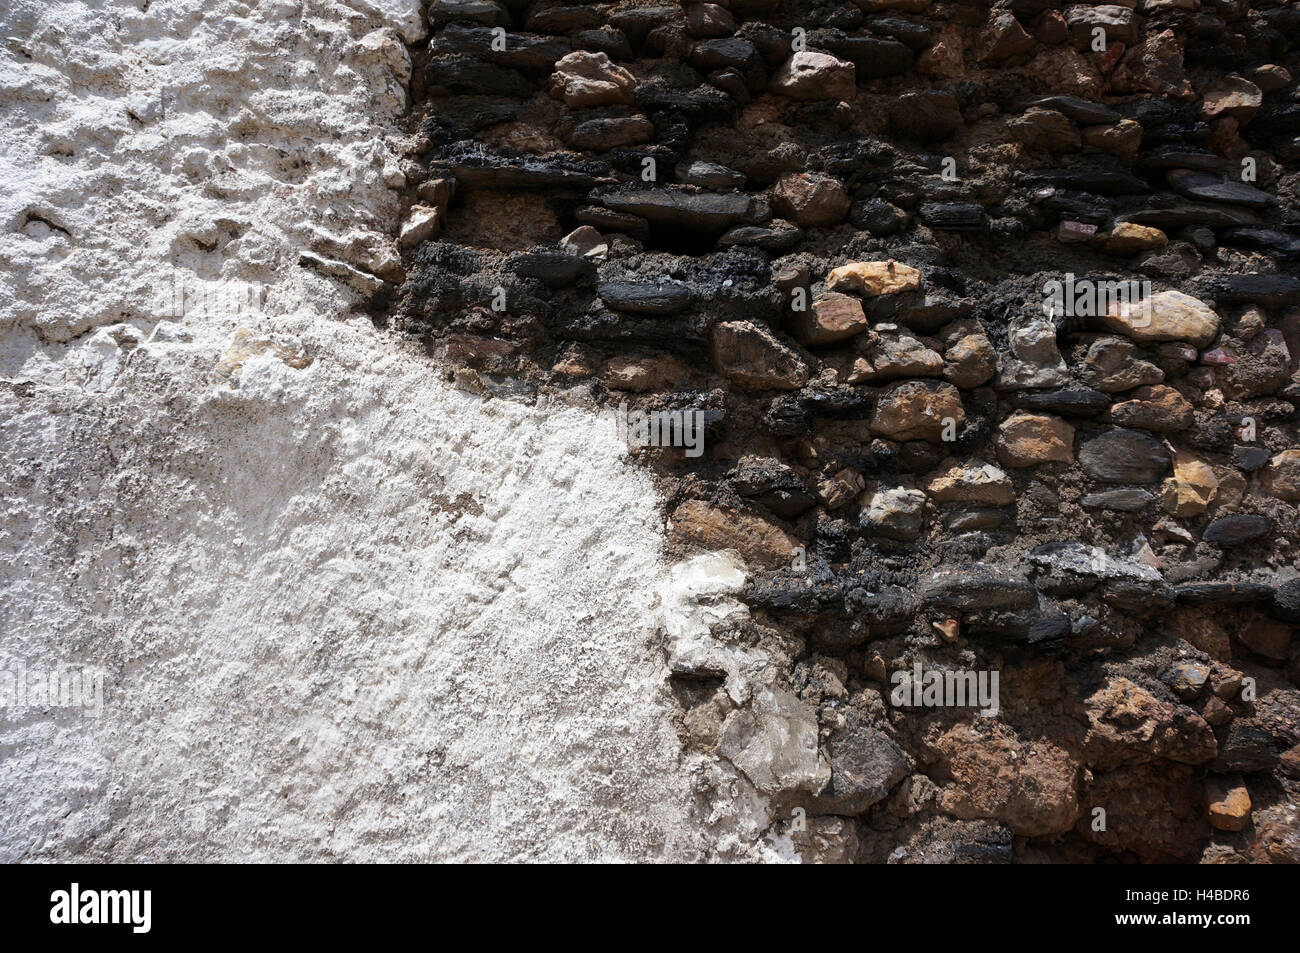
x=967 y=591
x=1100 y=181
x=775 y=237
x=1179 y=214
x=1125 y=500
x=1082 y=111
x=1223 y=593
x=705 y=211
x=915 y=35
x=644 y=297
x=1178 y=156
x=555 y=269
x=1271 y=290
x=1237 y=529
x=1213 y=188
x=1269 y=240
x=528 y=54
x=873 y=58
x=954 y=216
x=1069 y=402
x=1124 y=456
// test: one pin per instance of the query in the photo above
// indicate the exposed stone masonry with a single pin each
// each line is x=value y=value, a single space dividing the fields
x=832 y=227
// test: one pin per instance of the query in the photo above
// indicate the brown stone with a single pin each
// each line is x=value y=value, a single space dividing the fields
x=1027 y=783
x=944 y=58
x=1026 y=440
x=710 y=527
x=584 y=80
x=752 y=358
x=1002 y=38
x=1227 y=803
x=1129 y=239
x=832 y=317
x=841 y=488
x=1165 y=316
x=808 y=75
x=1127 y=721
x=870 y=278
x=1281 y=478
x=1266 y=637
x=1200 y=629
x=1159 y=408
x=810 y=199
x=971 y=361
x=971 y=483
x=1154 y=66
x=1123 y=139
x=1173 y=832
x=1232 y=97
x=642 y=374
x=891 y=356
x=1045 y=129
x=918 y=410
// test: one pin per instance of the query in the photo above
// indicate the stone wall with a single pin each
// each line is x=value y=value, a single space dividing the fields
x=990 y=317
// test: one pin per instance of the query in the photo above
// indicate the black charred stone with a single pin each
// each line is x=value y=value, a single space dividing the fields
x=966 y=591
x=1250 y=459
x=1223 y=593
x=536 y=55
x=914 y=35
x=1286 y=601
x=1237 y=530
x=1082 y=111
x=1124 y=456
x=645 y=297
x=555 y=269
x=1069 y=402
x=466 y=75
x=1246 y=746
x=954 y=216
x=1124 y=500
x=1271 y=290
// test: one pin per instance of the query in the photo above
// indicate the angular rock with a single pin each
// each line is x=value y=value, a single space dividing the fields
x=1237 y=529
x=753 y=359
x=1165 y=316
x=1124 y=456
x=1227 y=804
x=1282 y=476
x=929 y=116
x=973 y=483
x=1213 y=188
x=807 y=75
x=893 y=356
x=896 y=513
x=832 y=318
x=870 y=278
x=1160 y=408
x=810 y=199
x=918 y=410
x=709 y=527
x=865 y=766
x=1026 y=440
x=584 y=80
